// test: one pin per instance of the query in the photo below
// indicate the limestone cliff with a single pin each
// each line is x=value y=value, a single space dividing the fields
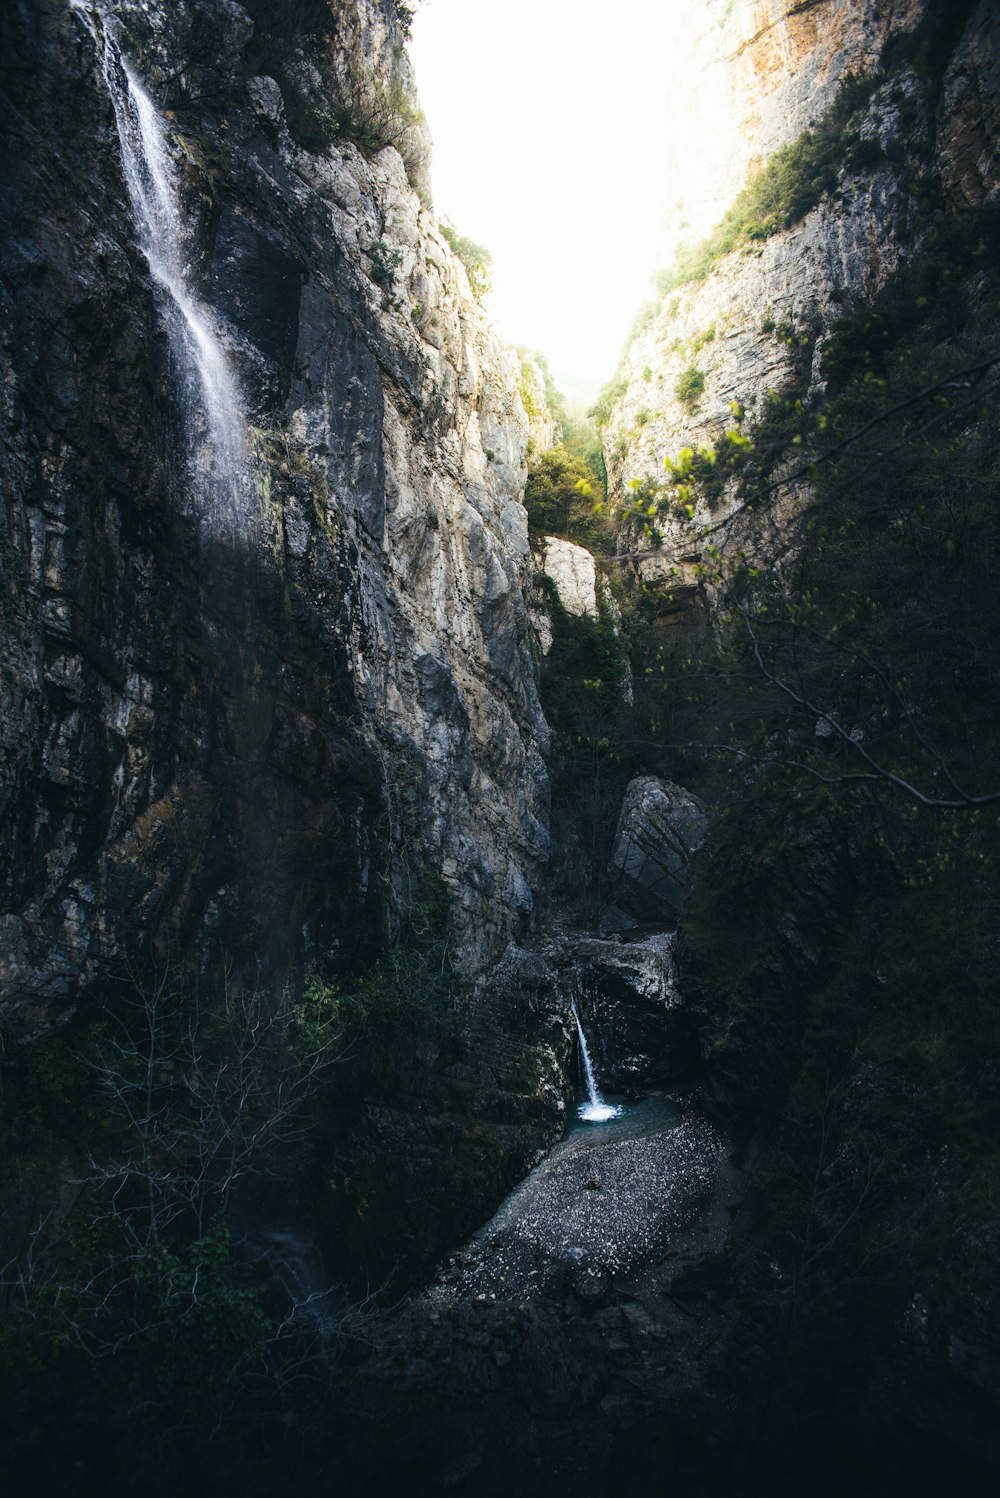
x=898 y=96
x=250 y=738
x=857 y=253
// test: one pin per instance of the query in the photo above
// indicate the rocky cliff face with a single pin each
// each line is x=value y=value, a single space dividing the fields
x=861 y=206
x=250 y=737
x=903 y=96
x=755 y=74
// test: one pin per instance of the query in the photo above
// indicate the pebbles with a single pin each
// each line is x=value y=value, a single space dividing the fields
x=604 y=1201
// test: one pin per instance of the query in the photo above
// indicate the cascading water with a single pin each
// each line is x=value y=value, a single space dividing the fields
x=595 y=1109
x=207 y=385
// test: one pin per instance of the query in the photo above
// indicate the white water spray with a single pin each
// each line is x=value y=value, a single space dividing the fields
x=595 y=1109
x=208 y=387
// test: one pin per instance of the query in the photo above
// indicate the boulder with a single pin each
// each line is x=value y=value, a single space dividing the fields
x=633 y=1012
x=574 y=572
x=660 y=828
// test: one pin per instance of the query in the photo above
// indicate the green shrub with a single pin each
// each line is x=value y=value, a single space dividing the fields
x=843 y=925
x=690 y=387
x=200 y=1333
x=612 y=392
x=476 y=258
x=786 y=188
x=563 y=497
x=385 y=262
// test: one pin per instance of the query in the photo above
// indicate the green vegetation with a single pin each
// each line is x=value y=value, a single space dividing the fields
x=564 y=497
x=700 y=475
x=690 y=387
x=476 y=258
x=140 y=1339
x=566 y=490
x=412 y=990
x=404 y=11
x=927 y=48
x=786 y=188
x=125 y=1143
x=352 y=103
x=611 y=393
x=582 y=683
x=385 y=262
x=551 y=406
x=703 y=339
x=843 y=911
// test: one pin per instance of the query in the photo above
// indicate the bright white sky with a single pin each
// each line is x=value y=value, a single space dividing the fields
x=549 y=120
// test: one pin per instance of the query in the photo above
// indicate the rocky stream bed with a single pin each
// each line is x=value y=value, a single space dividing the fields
x=545 y=1349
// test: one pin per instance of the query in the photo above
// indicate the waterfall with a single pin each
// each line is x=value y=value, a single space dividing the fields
x=595 y=1109
x=207 y=385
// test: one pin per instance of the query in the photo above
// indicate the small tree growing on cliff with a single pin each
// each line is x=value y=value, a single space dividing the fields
x=563 y=498
x=476 y=258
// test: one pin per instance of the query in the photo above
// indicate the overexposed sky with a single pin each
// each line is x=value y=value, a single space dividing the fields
x=549 y=121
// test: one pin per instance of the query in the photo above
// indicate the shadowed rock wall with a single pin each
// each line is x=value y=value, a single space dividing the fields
x=252 y=746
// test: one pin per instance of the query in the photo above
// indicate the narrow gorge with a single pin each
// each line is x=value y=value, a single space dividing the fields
x=500 y=904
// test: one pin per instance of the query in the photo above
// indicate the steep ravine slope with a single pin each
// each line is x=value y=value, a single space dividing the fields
x=820 y=559
x=283 y=731
x=847 y=121
x=273 y=780
x=248 y=740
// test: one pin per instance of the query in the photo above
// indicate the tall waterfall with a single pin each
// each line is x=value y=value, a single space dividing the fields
x=595 y=1109
x=208 y=387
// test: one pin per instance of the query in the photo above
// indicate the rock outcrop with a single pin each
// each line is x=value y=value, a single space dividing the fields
x=639 y=1028
x=573 y=573
x=245 y=740
x=751 y=324
x=660 y=828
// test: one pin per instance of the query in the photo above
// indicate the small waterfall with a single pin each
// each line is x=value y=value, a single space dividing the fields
x=208 y=387
x=595 y=1109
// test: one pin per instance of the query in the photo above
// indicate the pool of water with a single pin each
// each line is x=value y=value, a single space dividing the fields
x=652 y=1114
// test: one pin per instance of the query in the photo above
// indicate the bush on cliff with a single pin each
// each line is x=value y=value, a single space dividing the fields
x=563 y=498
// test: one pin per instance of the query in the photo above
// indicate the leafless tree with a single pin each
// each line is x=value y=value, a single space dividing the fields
x=197 y=1093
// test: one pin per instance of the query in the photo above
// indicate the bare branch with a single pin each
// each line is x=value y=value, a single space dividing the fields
x=876 y=771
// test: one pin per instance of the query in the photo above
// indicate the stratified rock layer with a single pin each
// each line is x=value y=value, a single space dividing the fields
x=245 y=747
x=660 y=828
x=742 y=327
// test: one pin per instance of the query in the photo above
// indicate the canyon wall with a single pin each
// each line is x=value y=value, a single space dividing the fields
x=900 y=96
x=818 y=370
x=255 y=736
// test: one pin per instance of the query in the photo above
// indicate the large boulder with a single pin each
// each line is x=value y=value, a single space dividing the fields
x=574 y=572
x=660 y=828
x=633 y=1012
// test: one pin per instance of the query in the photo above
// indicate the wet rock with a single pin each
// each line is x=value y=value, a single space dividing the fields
x=197 y=730
x=613 y=920
x=633 y=1011
x=583 y=1340
x=591 y=1283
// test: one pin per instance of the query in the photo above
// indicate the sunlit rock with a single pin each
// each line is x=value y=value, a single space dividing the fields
x=573 y=571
